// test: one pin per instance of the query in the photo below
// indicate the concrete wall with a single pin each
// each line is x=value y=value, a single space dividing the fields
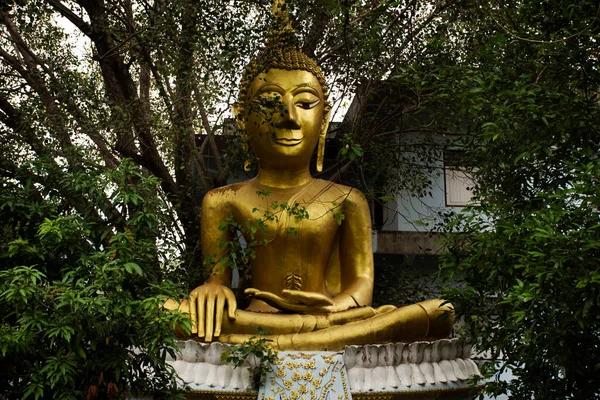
x=404 y=242
x=410 y=213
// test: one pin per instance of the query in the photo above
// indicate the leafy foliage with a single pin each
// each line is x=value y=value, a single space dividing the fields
x=532 y=289
x=527 y=254
x=256 y=352
x=239 y=245
x=154 y=81
x=111 y=115
x=81 y=302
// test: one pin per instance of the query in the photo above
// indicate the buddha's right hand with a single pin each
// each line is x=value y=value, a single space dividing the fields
x=207 y=303
x=297 y=301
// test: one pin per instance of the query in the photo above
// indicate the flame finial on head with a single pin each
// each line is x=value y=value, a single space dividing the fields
x=281 y=32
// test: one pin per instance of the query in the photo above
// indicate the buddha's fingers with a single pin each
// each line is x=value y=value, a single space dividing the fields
x=385 y=309
x=231 y=305
x=277 y=301
x=210 y=317
x=270 y=298
x=199 y=307
x=219 y=314
x=193 y=312
x=307 y=298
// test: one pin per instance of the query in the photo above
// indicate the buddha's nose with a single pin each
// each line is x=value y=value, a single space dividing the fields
x=288 y=115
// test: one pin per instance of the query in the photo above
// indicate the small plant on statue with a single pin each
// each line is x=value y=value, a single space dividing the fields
x=240 y=246
x=256 y=352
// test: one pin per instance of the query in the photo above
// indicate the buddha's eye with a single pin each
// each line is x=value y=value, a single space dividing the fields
x=268 y=99
x=307 y=105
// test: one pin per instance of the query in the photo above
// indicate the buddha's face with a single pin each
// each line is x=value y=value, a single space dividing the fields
x=284 y=117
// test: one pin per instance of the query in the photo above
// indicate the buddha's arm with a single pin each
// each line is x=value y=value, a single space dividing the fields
x=356 y=253
x=215 y=210
x=207 y=302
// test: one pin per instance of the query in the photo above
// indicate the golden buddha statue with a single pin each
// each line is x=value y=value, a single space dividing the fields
x=311 y=289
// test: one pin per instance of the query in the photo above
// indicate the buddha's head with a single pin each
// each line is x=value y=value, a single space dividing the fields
x=282 y=104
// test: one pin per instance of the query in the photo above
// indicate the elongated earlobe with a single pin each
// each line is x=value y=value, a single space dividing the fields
x=320 y=153
x=322 y=137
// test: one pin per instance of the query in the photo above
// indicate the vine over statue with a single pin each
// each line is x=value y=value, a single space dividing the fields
x=312 y=280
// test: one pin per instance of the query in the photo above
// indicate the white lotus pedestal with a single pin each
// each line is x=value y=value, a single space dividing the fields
x=440 y=369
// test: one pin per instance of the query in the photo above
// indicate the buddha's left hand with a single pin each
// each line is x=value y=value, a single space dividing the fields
x=296 y=301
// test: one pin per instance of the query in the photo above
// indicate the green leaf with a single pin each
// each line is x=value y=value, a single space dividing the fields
x=131 y=267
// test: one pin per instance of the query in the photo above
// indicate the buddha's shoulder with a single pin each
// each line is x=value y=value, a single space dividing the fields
x=228 y=194
x=341 y=192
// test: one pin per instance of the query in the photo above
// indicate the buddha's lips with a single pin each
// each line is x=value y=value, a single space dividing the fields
x=288 y=138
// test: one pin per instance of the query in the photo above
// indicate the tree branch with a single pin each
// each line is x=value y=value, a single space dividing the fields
x=210 y=132
x=122 y=91
x=13 y=119
x=66 y=12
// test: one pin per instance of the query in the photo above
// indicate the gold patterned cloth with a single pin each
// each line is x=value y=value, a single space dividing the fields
x=307 y=376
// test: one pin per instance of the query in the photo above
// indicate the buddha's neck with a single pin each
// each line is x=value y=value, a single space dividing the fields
x=283 y=178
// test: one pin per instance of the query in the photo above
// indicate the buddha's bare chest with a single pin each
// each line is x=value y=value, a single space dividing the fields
x=279 y=219
x=292 y=244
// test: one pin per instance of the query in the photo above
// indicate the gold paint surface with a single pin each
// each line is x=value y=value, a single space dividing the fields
x=317 y=317
x=312 y=273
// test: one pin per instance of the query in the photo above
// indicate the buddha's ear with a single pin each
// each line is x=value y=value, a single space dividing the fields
x=239 y=116
x=326 y=119
x=322 y=137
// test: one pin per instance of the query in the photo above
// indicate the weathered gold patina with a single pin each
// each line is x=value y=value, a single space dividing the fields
x=311 y=289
